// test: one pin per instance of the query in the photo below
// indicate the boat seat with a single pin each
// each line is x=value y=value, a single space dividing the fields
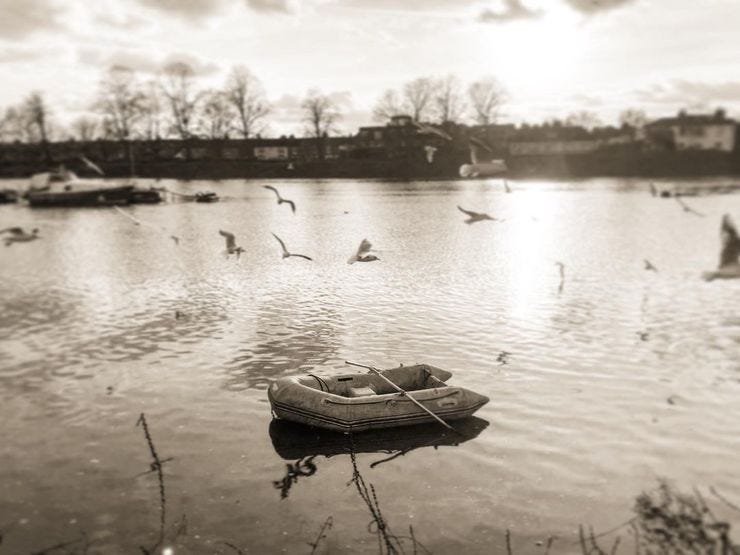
x=360 y=391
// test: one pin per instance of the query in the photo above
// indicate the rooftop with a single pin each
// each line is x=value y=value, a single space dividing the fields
x=684 y=118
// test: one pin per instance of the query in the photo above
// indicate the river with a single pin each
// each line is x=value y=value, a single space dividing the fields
x=598 y=388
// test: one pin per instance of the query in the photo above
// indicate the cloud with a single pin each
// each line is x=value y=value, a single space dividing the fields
x=512 y=10
x=405 y=6
x=200 y=67
x=278 y=6
x=198 y=10
x=20 y=18
x=581 y=99
x=13 y=55
x=144 y=62
x=693 y=93
x=124 y=22
x=591 y=7
x=189 y=10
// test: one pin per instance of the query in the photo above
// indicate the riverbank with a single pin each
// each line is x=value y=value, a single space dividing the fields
x=412 y=165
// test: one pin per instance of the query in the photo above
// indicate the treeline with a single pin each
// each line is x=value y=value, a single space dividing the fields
x=127 y=107
x=447 y=99
x=171 y=106
x=442 y=100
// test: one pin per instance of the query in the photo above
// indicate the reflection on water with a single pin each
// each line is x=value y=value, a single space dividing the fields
x=292 y=336
x=388 y=542
x=306 y=444
x=295 y=441
x=302 y=467
x=623 y=375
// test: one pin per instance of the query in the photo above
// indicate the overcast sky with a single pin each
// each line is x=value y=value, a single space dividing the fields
x=552 y=56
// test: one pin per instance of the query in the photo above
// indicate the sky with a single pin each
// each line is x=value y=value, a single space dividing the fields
x=553 y=57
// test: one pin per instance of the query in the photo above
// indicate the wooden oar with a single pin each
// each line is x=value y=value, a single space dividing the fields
x=403 y=392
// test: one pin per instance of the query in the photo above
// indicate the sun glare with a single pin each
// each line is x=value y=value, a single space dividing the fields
x=537 y=54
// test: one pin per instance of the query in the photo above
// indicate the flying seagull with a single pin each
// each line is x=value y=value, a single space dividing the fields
x=363 y=253
x=231 y=247
x=729 y=254
x=649 y=266
x=139 y=222
x=561 y=267
x=425 y=129
x=17 y=235
x=92 y=165
x=281 y=200
x=686 y=207
x=430 y=150
x=287 y=254
x=474 y=216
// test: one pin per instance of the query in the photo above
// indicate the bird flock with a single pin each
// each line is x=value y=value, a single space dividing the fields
x=362 y=254
x=728 y=267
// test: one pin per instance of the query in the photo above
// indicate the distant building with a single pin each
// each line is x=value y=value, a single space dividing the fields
x=551 y=148
x=694 y=132
x=557 y=139
x=390 y=140
x=272 y=152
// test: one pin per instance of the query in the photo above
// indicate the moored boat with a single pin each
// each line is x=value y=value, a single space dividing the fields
x=8 y=196
x=206 y=196
x=356 y=402
x=65 y=189
x=140 y=195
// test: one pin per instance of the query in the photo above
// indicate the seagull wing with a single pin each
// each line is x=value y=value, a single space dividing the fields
x=12 y=230
x=92 y=165
x=730 y=243
x=364 y=248
x=686 y=207
x=273 y=189
x=301 y=256
x=469 y=213
x=292 y=204
x=282 y=245
x=230 y=239
x=125 y=214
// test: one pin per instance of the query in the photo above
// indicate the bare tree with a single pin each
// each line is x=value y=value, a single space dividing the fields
x=119 y=102
x=37 y=116
x=320 y=115
x=151 y=108
x=217 y=115
x=85 y=128
x=245 y=93
x=486 y=97
x=417 y=96
x=583 y=118
x=177 y=88
x=387 y=106
x=12 y=127
x=448 y=100
x=633 y=118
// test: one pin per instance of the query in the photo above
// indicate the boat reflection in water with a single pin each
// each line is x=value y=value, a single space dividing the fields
x=303 y=444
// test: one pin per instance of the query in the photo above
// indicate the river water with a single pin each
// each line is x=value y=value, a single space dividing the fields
x=598 y=389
